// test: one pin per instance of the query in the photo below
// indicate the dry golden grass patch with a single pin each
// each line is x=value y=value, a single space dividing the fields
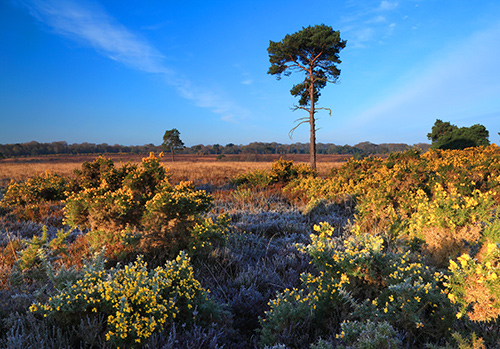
x=199 y=169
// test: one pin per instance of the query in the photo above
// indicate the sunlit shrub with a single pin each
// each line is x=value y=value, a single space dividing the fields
x=41 y=188
x=100 y=208
x=392 y=285
x=93 y=173
x=282 y=171
x=37 y=198
x=440 y=197
x=474 y=283
x=137 y=302
x=112 y=199
x=137 y=206
x=178 y=202
x=449 y=223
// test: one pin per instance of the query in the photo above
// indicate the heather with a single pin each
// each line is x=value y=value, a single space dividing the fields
x=402 y=252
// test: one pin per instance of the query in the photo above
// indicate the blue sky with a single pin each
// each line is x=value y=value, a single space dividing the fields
x=123 y=72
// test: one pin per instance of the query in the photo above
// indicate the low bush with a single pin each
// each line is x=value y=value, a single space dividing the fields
x=474 y=280
x=359 y=278
x=135 y=207
x=282 y=171
x=136 y=301
x=368 y=335
x=37 y=198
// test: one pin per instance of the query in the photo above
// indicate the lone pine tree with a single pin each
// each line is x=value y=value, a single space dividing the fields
x=172 y=141
x=313 y=51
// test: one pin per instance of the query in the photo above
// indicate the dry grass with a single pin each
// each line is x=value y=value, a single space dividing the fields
x=199 y=169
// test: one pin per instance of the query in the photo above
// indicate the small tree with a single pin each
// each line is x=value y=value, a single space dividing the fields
x=447 y=136
x=440 y=129
x=172 y=141
x=217 y=148
x=315 y=52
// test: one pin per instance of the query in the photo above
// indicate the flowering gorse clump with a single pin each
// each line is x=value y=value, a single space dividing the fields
x=37 y=197
x=48 y=186
x=441 y=197
x=108 y=198
x=361 y=278
x=136 y=301
x=386 y=283
x=282 y=171
x=474 y=283
x=136 y=206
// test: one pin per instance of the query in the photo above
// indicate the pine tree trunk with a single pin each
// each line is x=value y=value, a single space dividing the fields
x=312 y=145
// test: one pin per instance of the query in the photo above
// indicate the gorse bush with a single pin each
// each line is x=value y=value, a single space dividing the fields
x=474 y=280
x=410 y=257
x=437 y=196
x=37 y=198
x=282 y=171
x=136 y=301
x=360 y=278
x=256 y=178
x=136 y=206
x=45 y=187
x=107 y=198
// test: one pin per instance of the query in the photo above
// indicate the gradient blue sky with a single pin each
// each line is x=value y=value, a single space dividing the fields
x=123 y=72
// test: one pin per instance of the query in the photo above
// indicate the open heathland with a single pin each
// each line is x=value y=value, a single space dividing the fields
x=212 y=252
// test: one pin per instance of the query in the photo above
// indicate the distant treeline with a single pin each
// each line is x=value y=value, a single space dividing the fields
x=362 y=149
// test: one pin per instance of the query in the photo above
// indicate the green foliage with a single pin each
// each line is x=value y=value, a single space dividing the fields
x=368 y=335
x=47 y=187
x=447 y=136
x=137 y=301
x=317 y=49
x=172 y=141
x=468 y=343
x=283 y=171
x=36 y=198
x=359 y=278
x=30 y=256
x=257 y=178
x=314 y=51
x=39 y=248
x=440 y=129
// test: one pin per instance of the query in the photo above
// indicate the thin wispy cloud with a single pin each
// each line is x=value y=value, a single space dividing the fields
x=88 y=23
x=456 y=79
x=365 y=23
x=387 y=5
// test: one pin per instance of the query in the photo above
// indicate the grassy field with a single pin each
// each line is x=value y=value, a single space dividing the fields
x=201 y=169
x=400 y=252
